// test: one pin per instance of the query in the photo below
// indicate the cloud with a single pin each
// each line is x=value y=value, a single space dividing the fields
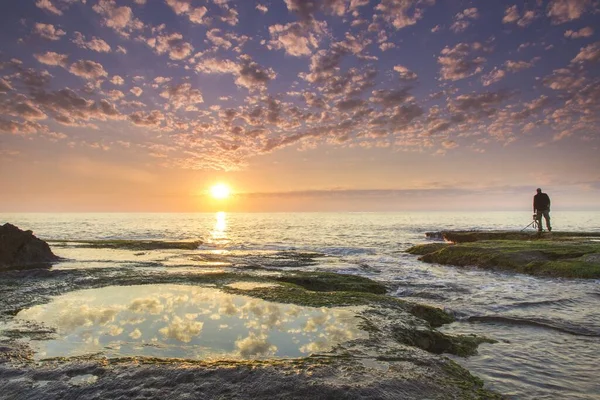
x=195 y=15
x=590 y=53
x=531 y=108
x=297 y=39
x=179 y=6
x=459 y=63
x=48 y=6
x=173 y=44
x=493 y=76
x=182 y=95
x=324 y=64
x=53 y=59
x=23 y=109
x=511 y=15
x=115 y=94
x=582 y=33
x=120 y=19
x=462 y=19
x=262 y=8
x=479 y=104
x=19 y=128
x=94 y=44
x=252 y=76
x=153 y=118
x=33 y=78
x=304 y=8
x=215 y=66
x=225 y=40
x=87 y=69
x=5 y=86
x=248 y=73
x=516 y=66
x=117 y=80
x=137 y=91
x=231 y=16
x=401 y=13
x=563 y=79
x=404 y=73
x=562 y=11
x=390 y=98
x=449 y=144
x=48 y=31
x=69 y=108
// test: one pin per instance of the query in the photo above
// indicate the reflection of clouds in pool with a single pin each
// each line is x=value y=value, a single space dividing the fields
x=147 y=305
x=132 y=320
x=136 y=334
x=255 y=345
x=114 y=330
x=187 y=321
x=181 y=329
x=228 y=308
x=315 y=347
x=313 y=323
x=81 y=316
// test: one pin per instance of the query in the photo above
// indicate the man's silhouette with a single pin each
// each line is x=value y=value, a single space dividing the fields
x=541 y=206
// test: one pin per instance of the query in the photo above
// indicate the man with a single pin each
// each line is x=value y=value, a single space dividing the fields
x=541 y=206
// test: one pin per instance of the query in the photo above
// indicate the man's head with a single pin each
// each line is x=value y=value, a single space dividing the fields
x=538 y=190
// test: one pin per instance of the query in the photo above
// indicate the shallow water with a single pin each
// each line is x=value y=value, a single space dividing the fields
x=548 y=329
x=185 y=322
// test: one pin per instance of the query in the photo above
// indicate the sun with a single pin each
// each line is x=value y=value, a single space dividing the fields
x=220 y=191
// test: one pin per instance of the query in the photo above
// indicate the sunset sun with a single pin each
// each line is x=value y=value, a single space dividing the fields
x=220 y=191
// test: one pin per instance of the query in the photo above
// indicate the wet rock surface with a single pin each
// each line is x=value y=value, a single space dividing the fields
x=397 y=360
x=556 y=254
x=20 y=248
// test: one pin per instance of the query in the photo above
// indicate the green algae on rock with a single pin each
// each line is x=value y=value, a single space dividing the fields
x=476 y=236
x=129 y=244
x=381 y=363
x=564 y=254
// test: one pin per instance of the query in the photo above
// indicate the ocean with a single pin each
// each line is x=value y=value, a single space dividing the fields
x=547 y=330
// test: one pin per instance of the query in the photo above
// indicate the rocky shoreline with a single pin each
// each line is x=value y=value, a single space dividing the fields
x=21 y=249
x=402 y=357
x=556 y=254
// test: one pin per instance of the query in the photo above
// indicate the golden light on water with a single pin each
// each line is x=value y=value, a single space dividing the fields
x=220 y=191
x=221 y=224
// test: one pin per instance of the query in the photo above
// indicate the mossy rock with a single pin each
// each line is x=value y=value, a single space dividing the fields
x=434 y=316
x=438 y=342
x=571 y=258
x=477 y=236
x=422 y=249
x=130 y=244
x=328 y=282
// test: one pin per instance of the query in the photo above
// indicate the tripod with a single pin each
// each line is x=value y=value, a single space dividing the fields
x=533 y=223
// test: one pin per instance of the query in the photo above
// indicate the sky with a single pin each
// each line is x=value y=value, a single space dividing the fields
x=298 y=105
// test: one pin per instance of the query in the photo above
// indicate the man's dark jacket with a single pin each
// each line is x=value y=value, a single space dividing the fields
x=541 y=202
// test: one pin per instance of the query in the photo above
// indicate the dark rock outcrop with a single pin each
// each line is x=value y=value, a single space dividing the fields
x=20 y=248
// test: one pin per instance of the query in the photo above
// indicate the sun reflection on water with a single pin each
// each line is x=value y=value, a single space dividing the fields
x=218 y=235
